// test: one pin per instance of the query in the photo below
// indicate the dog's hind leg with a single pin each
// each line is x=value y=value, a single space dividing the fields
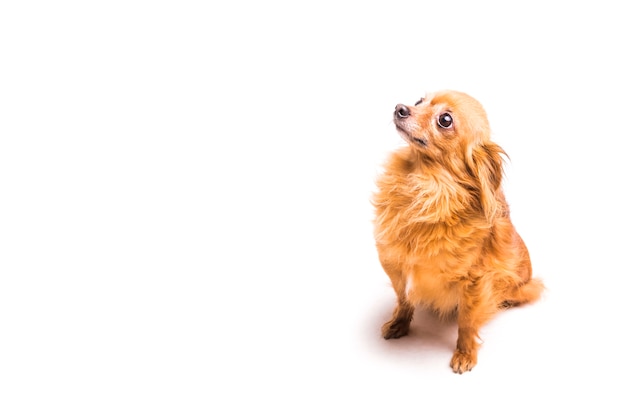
x=524 y=293
x=520 y=287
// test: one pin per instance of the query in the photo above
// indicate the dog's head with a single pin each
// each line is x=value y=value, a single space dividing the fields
x=449 y=130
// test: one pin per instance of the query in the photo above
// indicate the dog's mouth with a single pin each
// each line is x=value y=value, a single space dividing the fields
x=411 y=138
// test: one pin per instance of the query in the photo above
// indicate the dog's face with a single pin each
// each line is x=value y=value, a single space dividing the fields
x=444 y=125
x=450 y=132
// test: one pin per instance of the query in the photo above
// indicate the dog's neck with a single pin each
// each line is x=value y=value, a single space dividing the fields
x=417 y=162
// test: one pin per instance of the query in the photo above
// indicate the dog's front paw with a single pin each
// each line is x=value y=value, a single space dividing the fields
x=395 y=328
x=463 y=361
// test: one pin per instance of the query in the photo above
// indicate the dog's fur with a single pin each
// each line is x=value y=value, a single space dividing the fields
x=442 y=227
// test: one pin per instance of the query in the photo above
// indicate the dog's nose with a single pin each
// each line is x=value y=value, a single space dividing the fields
x=402 y=111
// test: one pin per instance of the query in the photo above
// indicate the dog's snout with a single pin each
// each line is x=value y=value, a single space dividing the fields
x=402 y=111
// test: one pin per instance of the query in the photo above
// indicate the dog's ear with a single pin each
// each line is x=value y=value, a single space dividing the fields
x=485 y=164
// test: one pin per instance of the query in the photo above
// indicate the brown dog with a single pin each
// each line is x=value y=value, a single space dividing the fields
x=442 y=228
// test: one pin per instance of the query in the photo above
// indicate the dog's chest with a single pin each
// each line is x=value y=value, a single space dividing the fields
x=431 y=290
x=424 y=210
x=427 y=220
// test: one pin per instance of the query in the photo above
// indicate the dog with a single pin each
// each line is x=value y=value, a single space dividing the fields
x=442 y=226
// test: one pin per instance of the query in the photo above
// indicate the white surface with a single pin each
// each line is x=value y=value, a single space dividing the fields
x=185 y=226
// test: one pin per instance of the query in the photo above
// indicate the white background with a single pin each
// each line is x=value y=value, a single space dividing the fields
x=185 y=225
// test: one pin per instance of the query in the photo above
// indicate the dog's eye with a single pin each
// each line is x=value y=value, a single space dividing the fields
x=419 y=102
x=445 y=120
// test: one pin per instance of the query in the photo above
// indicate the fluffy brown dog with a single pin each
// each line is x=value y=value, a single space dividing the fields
x=442 y=228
